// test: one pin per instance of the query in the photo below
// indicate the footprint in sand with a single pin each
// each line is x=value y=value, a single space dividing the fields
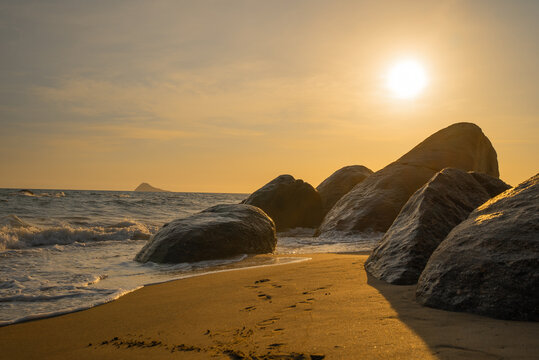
x=317 y=289
x=267 y=322
x=261 y=281
x=258 y=283
x=264 y=296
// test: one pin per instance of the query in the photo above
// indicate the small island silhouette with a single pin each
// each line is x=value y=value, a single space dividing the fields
x=145 y=187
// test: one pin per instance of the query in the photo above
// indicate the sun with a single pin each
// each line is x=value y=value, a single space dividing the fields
x=407 y=79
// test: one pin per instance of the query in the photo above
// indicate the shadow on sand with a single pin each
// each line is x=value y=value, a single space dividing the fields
x=452 y=335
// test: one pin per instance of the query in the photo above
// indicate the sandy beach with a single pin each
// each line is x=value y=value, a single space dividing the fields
x=324 y=308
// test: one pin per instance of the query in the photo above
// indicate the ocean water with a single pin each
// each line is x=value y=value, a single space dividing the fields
x=67 y=250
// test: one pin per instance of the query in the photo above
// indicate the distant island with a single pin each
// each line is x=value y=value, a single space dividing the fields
x=145 y=187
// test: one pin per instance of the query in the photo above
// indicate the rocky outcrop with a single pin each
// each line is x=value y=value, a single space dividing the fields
x=373 y=204
x=425 y=220
x=489 y=263
x=145 y=187
x=340 y=183
x=216 y=233
x=289 y=202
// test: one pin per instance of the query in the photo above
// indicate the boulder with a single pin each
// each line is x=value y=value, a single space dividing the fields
x=145 y=187
x=489 y=263
x=423 y=223
x=373 y=204
x=339 y=183
x=218 y=232
x=492 y=185
x=289 y=202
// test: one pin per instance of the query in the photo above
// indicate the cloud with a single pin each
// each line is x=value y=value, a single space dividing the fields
x=234 y=100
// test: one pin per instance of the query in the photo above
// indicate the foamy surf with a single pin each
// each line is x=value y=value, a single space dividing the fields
x=68 y=310
x=167 y=273
x=18 y=234
x=44 y=194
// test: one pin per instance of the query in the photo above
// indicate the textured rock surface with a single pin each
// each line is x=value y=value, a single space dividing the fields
x=429 y=215
x=492 y=185
x=489 y=263
x=373 y=204
x=340 y=183
x=289 y=202
x=216 y=233
x=145 y=187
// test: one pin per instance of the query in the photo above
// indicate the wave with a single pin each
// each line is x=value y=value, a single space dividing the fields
x=46 y=314
x=17 y=234
x=299 y=242
x=45 y=194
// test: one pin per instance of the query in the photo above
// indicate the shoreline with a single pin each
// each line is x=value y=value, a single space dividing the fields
x=327 y=307
x=234 y=266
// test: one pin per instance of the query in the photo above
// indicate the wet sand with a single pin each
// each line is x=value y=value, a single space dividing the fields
x=325 y=308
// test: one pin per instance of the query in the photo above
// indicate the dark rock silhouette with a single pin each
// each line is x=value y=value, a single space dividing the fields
x=492 y=185
x=373 y=204
x=218 y=232
x=145 y=187
x=425 y=220
x=289 y=202
x=489 y=263
x=340 y=183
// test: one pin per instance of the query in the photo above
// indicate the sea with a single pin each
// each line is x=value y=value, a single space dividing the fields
x=68 y=250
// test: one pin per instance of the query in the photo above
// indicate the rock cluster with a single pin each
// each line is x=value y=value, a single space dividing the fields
x=466 y=252
x=374 y=204
x=425 y=220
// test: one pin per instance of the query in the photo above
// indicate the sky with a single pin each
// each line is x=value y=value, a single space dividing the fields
x=223 y=96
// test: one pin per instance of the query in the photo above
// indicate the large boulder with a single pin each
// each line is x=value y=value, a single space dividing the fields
x=425 y=220
x=489 y=263
x=218 y=232
x=373 y=204
x=339 y=183
x=289 y=202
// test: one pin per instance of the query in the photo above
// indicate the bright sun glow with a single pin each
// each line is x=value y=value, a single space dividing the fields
x=407 y=79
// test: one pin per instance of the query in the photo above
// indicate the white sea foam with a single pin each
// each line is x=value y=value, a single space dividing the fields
x=44 y=194
x=17 y=234
x=69 y=309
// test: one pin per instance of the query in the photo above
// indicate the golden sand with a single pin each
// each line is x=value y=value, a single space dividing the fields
x=325 y=308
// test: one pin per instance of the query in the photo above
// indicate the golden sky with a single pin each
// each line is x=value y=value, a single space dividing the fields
x=222 y=96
